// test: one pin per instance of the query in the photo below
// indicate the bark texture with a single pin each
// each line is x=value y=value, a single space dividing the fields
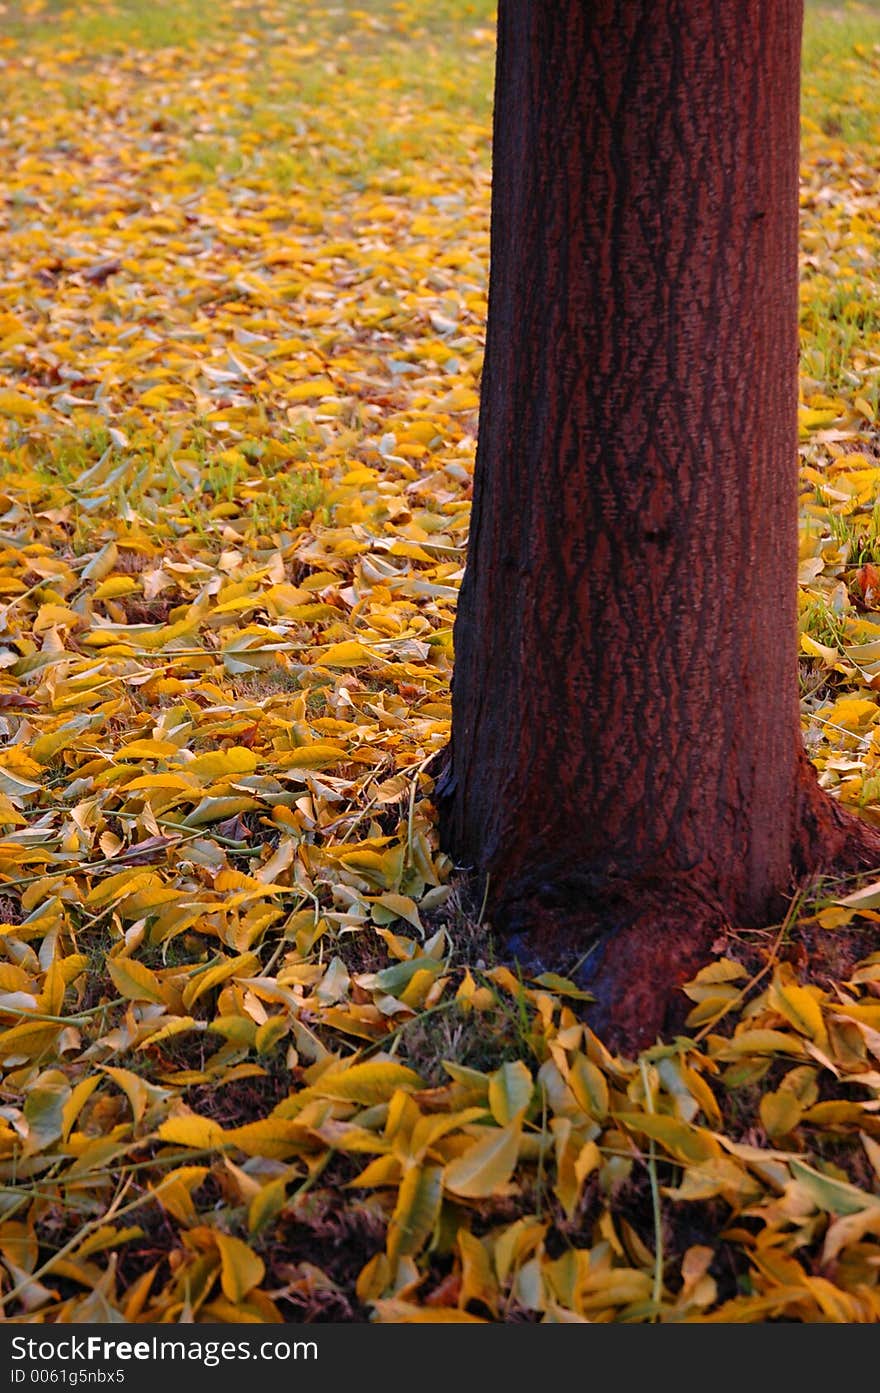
x=625 y=717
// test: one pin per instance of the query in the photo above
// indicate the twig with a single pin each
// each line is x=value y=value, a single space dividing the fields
x=81 y=1018
x=113 y=1212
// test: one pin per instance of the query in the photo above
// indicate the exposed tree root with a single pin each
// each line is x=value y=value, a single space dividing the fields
x=638 y=971
x=636 y=953
x=830 y=839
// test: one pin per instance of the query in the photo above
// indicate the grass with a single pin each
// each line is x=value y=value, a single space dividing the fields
x=241 y=341
x=842 y=69
x=286 y=124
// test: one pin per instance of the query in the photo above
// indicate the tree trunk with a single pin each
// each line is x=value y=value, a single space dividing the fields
x=626 y=748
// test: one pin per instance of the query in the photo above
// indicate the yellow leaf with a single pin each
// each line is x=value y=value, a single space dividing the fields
x=215 y=809
x=830 y=656
x=811 y=420
x=245 y=965
x=54 y=617
x=123 y=883
x=799 y=1006
x=115 y=586
x=254 y=1309
x=478 y=1281
x=373 y=1279
x=46 y=747
x=30 y=1041
x=719 y=1177
x=309 y=389
x=685 y=1142
x=866 y=898
x=313 y=756
x=189 y=1130
x=761 y=1042
x=102 y=563
x=179 y=1025
x=135 y=981
x=240 y=1268
x=148 y=749
x=171 y=782
x=223 y=764
x=405 y=1313
x=174 y=1192
x=872 y=1148
x=485 y=1167
x=104 y=1238
x=157 y=396
x=847 y=1230
x=74 y=1105
x=273 y=1138
x=268 y=1034
x=347 y=654
x=16 y=405
x=780 y=1112
x=369 y=1084
x=139 y=1093
x=384 y=1170
x=589 y=1086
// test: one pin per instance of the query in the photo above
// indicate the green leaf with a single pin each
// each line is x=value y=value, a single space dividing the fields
x=44 y=1109
x=416 y=1212
x=267 y=1204
x=832 y=1196
x=510 y=1092
x=866 y=898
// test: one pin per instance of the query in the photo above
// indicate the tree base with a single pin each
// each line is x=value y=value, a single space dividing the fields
x=642 y=947
x=634 y=943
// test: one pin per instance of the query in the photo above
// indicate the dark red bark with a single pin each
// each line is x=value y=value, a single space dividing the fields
x=626 y=748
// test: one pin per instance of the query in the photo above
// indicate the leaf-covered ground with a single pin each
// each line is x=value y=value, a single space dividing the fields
x=261 y=1059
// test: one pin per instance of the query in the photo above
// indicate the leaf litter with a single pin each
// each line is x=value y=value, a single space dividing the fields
x=259 y=1060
